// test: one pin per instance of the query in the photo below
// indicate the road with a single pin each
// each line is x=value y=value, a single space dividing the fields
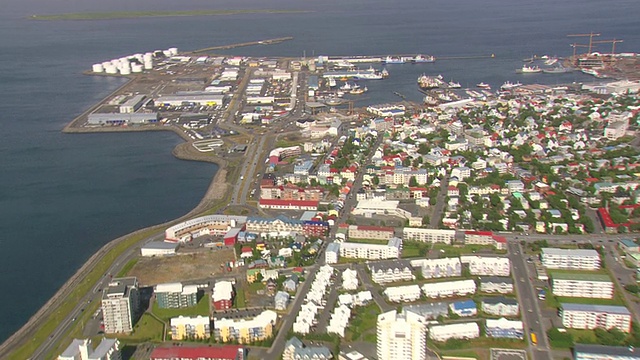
x=434 y=222
x=527 y=298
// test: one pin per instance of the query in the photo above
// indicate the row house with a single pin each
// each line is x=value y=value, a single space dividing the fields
x=500 y=306
x=487 y=265
x=496 y=284
x=449 y=288
x=391 y=271
x=438 y=268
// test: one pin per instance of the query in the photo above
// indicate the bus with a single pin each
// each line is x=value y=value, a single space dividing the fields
x=534 y=340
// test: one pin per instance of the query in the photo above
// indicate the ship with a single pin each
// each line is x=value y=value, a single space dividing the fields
x=454 y=85
x=332 y=101
x=429 y=82
x=556 y=70
x=332 y=82
x=483 y=85
x=423 y=59
x=393 y=60
x=368 y=75
x=528 y=70
x=357 y=90
x=509 y=85
x=430 y=100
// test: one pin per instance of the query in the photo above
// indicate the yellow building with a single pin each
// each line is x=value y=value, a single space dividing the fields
x=246 y=331
x=188 y=328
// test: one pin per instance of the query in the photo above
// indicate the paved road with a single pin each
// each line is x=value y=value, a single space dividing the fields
x=527 y=299
x=434 y=222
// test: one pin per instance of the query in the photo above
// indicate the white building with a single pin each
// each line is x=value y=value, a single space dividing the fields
x=438 y=268
x=500 y=306
x=332 y=253
x=496 y=284
x=574 y=259
x=82 y=349
x=401 y=336
x=158 y=248
x=186 y=328
x=597 y=286
x=467 y=330
x=349 y=279
x=429 y=235
x=120 y=305
x=392 y=250
x=503 y=328
x=406 y=293
x=487 y=265
x=587 y=316
x=339 y=320
x=391 y=271
x=449 y=288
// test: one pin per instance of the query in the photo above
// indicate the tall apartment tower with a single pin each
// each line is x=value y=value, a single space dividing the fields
x=402 y=336
x=120 y=304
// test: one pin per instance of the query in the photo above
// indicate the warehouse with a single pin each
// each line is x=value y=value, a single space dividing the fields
x=132 y=105
x=158 y=248
x=178 y=100
x=121 y=119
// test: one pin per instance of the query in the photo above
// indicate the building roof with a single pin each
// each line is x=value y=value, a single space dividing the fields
x=611 y=309
x=631 y=352
x=333 y=247
x=496 y=280
x=628 y=243
x=390 y=265
x=499 y=300
x=161 y=245
x=175 y=287
x=464 y=305
x=569 y=252
x=580 y=276
x=201 y=352
x=222 y=290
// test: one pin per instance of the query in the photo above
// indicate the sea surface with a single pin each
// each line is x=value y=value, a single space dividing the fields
x=64 y=196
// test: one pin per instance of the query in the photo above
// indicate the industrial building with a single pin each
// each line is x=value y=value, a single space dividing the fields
x=158 y=248
x=82 y=349
x=175 y=295
x=118 y=119
x=571 y=259
x=179 y=100
x=190 y=328
x=587 y=316
x=467 y=330
x=120 y=305
x=598 y=286
x=401 y=336
x=132 y=105
x=429 y=235
x=245 y=331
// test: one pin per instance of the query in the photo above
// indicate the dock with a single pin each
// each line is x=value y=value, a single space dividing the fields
x=249 y=43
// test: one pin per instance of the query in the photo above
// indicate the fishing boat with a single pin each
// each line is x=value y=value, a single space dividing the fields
x=508 y=85
x=423 y=59
x=528 y=70
x=346 y=87
x=384 y=73
x=430 y=100
x=357 y=90
x=393 y=60
x=429 y=82
x=454 y=85
x=483 y=85
x=332 y=82
x=556 y=70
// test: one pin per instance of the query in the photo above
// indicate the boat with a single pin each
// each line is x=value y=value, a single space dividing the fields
x=332 y=101
x=508 y=85
x=429 y=82
x=339 y=93
x=556 y=70
x=358 y=90
x=346 y=86
x=368 y=76
x=332 y=82
x=430 y=100
x=593 y=72
x=483 y=85
x=423 y=59
x=384 y=73
x=528 y=70
x=393 y=60
x=551 y=61
x=454 y=85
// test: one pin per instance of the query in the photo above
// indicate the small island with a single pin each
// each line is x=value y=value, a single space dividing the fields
x=142 y=14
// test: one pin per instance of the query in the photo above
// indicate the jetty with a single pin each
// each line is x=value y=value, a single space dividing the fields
x=250 y=43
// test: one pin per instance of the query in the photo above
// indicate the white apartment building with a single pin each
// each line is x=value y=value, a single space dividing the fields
x=120 y=305
x=429 y=235
x=82 y=349
x=332 y=253
x=391 y=271
x=401 y=336
x=467 y=330
x=596 y=286
x=587 y=316
x=449 y=288
x=438 y=268
x=496 y=284
x=487 y=265
x=406 y=293
x=573 y=259
x=370 y=232
x=392 y=250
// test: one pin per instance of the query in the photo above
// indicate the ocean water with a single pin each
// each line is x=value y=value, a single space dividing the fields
x=63 y=196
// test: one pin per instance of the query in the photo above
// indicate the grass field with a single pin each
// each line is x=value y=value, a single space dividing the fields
x=202 y=308
x=457 y=250
x=147 y=328
x=125 y=269
x=368 y=241
x=142 y=14
x=363 y=325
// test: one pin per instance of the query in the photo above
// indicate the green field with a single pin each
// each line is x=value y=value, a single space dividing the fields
x=202 y=308
x=147 y=328
x=142 y=14
x=125 y=269
x=363 y=325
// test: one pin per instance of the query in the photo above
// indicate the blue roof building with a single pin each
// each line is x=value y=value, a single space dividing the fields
x=464 y=308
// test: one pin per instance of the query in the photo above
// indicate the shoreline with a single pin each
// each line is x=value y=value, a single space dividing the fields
x=215 y=193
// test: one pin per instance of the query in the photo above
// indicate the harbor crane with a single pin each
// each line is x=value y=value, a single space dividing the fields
x=590 y=35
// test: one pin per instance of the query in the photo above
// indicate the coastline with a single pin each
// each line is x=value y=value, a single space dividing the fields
x=184 y=151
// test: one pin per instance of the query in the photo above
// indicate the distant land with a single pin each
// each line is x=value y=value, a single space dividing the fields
x=140 y=14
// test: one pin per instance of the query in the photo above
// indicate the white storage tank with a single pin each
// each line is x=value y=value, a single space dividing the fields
x=148 y=65
x=173 y=51
x=97 y=68
x=136 y=68
x=111 y=69
x=125 y=70
x=167 y=53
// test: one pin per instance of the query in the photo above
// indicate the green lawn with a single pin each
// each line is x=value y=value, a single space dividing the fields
x=146 y=329
x=125 y=269
x=368 y=241
x=363 y=325
x=554 y=301
x=240 y=300
x=457 y=250
x=202 y=308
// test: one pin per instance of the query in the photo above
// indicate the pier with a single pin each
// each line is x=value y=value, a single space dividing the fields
x=250 y=43
x=406 y=58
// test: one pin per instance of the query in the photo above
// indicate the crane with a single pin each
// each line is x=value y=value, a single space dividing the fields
x=590 y=35
x=574 y=46
x=613 y=44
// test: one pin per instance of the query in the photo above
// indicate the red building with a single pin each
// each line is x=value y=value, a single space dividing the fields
x=222 y=297
x=228 y=352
